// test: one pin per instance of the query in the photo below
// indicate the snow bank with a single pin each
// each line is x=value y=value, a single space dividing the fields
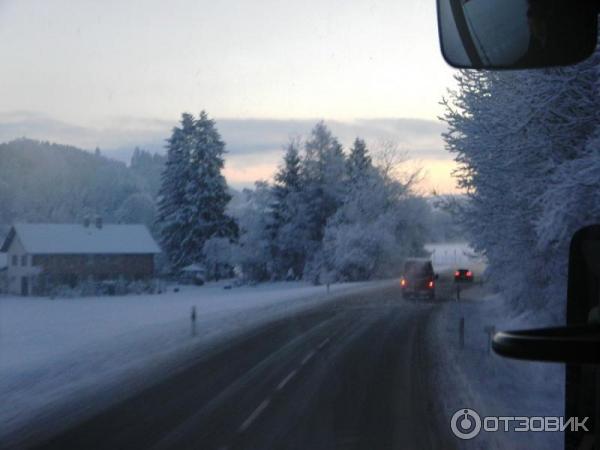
x=476 y=378
x=54 y=351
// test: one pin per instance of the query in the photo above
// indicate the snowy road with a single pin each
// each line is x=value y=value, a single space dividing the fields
x=350 y=374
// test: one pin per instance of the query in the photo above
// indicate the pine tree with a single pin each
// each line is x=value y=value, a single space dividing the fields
x=287 y=179
x=286 y=234
x=359 y=162
x=193 y=195
x=172 y=219
x=206 y=194
x=323 y=175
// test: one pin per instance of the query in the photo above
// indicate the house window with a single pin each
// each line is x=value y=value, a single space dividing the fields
x=14 y=260
x=24 y=260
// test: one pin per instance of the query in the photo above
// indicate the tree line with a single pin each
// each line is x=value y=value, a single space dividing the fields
x=328 y=215
x=528 y=146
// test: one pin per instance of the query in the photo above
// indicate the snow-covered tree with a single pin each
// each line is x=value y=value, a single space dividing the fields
x=218 y=257
x=323 y=189
x=515 y=136
x=137 y=208
x=254 y=252
x=359 y=164
x=288 y=232
x=379 y=223
x=173 y=218
x=329 y=218
x=206 y=194
x=194 y=194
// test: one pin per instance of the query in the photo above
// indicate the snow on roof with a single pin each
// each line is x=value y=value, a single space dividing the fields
x=78 y=239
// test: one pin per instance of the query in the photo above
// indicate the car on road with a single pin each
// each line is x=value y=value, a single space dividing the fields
x=463 y=275
x=418 y=278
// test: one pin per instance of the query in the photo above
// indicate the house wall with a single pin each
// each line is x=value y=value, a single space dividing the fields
x=70 y=269
x=96 y=267
x=19 y=268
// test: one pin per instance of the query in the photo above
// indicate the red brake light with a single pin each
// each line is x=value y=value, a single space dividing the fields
x=457 y=274
x=469 y=273
x=402 y=282
x=430 y=284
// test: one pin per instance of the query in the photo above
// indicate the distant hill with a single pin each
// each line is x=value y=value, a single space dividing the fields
x=46 y=182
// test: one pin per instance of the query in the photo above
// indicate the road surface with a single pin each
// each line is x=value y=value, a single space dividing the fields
x=353 y=374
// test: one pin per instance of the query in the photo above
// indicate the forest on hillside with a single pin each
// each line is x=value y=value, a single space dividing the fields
x=46 y=182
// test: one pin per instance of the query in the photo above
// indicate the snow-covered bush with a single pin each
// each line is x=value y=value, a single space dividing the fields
x=253 y=254
x=217 y=256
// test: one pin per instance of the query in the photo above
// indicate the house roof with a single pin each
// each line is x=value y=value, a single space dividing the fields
x=41 y=238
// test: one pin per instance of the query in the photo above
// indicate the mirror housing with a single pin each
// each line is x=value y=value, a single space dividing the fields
x=579 y=341
x=516 y=34
x=577 y=344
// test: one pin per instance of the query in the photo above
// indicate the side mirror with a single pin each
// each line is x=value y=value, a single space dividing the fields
x=577 y=344
x=516 y=34
x=579 y=341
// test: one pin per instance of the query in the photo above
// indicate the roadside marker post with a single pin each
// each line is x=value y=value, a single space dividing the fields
x=193 y=320
x=461 y=333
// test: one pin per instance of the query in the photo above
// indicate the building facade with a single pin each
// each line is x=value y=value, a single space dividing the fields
x=43 y=256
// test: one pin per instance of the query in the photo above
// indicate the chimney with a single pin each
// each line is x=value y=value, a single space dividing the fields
x=86 y=221
x=99 y=222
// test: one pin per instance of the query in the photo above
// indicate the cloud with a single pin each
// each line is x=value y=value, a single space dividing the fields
x=254 y=146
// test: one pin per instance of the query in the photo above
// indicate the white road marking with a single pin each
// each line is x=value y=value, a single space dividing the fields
x=323 y=343
x=308 y=357
x=291 y=375
x=252 y=417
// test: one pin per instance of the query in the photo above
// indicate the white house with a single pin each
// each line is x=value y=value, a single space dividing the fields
x=40 y=256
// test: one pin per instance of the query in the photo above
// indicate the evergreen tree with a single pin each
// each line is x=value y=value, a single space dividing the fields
x=193 y=195
x=286 y=230
x=172 y=219
x=359 y=162
x=206 y=194
x=287 y=179
x=323 y=177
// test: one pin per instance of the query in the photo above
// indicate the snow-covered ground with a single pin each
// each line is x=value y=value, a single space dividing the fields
x=454 y=255
x=476 y=378
x=55 y=351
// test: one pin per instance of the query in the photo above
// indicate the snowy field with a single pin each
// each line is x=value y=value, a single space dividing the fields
x=53 y=351
x=476 y=378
